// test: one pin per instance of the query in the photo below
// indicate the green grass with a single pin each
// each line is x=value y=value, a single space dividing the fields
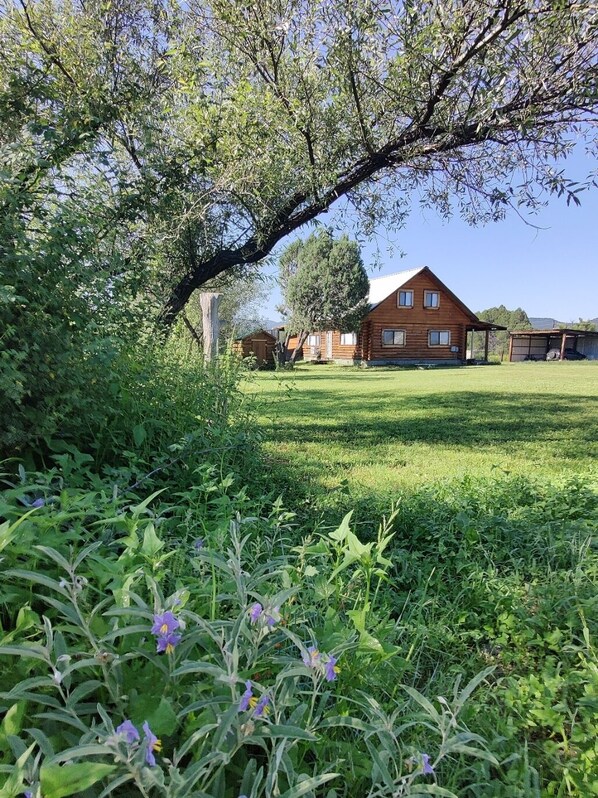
x=494 y=559
x=383 y=431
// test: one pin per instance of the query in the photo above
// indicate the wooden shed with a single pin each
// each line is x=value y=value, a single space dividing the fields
x=259 y=344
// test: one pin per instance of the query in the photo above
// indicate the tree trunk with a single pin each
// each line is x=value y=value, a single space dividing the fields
x=211 y=326
x=300 y=341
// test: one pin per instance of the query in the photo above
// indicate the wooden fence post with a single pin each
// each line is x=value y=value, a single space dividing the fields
x=210 y=324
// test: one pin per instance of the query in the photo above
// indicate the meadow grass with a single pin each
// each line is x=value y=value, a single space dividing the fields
x=383 y=431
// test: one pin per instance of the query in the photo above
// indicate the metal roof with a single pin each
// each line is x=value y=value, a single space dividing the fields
x=382 y=287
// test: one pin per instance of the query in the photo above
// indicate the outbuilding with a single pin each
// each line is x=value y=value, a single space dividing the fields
x=259 y=344
x=554 y=344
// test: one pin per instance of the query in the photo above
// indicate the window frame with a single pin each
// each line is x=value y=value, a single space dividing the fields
x=311 y=342
x=353 y=342
x=394 y=330
x=429 y=293
x=406 y=291
x=439 y=333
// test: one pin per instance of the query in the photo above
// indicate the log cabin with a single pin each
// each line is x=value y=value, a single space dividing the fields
x=413 y=318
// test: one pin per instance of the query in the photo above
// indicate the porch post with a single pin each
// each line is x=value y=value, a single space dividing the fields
x=563 y=341
x=486 y=346
x=510 y=347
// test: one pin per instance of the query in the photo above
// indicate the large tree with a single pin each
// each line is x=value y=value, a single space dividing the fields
x=324 y=285
x=214 y=128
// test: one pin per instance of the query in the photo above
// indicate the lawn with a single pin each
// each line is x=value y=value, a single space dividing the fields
x=383 y=431
x=492 y=471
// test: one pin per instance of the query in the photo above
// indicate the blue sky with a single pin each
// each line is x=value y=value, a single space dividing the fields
x=551 y=271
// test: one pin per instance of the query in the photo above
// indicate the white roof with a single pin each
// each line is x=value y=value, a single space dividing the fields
x=381 y=287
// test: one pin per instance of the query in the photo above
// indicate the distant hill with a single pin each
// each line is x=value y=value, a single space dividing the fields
x=546 y=323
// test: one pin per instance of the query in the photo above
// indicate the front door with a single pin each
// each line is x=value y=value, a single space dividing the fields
x=329 y=345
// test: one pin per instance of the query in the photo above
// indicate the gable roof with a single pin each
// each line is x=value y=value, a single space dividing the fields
x=255 y=334
x=382 y=287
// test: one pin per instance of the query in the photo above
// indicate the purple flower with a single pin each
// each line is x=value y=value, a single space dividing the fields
x=38 y=503
x=198 y=544
x=153 y=744
x=428 y=770
x=255 y=612
x=262 y=706
x=129 y=732
x=28 y=794
x=167 y=642
x=312 y=658
x=330 y=669
x=246 y=697
x=273 y=618
x=164 y=624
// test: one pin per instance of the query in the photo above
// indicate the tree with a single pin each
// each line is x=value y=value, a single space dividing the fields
x=217 y=127
x=324 y=285
x=454 y=102
x=583 y=324
x=498 y=340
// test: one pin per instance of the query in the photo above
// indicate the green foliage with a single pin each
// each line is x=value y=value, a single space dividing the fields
x=241 y=701
x=327 y=286
x=498 y=340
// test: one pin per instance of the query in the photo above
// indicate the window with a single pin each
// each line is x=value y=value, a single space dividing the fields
x=393 y=337
x=313 y=340
x=431 y=299
x=348 y=339
x=405 y=299
x=439 y=338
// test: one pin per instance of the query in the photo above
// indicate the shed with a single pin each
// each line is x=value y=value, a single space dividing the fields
x=259 y=344
x=570 y=344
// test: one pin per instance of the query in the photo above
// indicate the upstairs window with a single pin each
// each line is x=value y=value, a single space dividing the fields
x=405 y=299
x=313 y=340
x=348 y=339
x=439 y=338
x=431 y=299
x=393 y=337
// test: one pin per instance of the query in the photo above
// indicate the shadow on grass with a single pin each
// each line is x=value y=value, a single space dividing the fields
x=562 y=425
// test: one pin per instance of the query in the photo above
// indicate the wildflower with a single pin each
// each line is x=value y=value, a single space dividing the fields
x=428 y=770
x=246 y=697
x=129 y=732
x=153 y=744
x=198 y=544
x=166 y=643
x=273 y=618
x=38 y=503
x=165 y=624
x=255 y=611
x=56 y=676
x=261 y=707
x=312 y=658
x=331 y=669
x=28 y=794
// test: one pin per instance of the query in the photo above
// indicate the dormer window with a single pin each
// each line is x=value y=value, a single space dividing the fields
x=431 y=299
x=405 y=299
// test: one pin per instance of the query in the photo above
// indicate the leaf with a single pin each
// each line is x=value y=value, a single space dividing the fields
x=308 y=785
x=293 y=732
x=341 y=532
x=423 y=702
x=139 y=434
x=58 y=781
x=160 y=716
x=151 y=542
